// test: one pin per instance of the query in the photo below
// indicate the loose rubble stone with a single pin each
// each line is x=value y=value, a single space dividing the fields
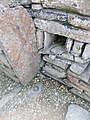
x=76 y=112
x=48 y=14
x=17 y=38
x=63 y=30
x=77 y=6
x=79 y=21
x=77 y=48
x=86 y=53
x=78 y=68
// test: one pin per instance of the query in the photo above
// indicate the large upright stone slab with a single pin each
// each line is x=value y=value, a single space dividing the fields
x=18 y=41
x=78 y=6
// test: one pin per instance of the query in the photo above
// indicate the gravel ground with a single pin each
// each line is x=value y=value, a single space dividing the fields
x=42 y=99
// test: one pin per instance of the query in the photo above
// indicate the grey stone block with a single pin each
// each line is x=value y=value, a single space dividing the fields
x=36 y=6
x=79 y=21
x=77 y=6
x=58 y=62
x=77 y=48
x=40 y=39
x=76 y=112
x=48 y=14
x=85 y=76
x=58 y=50
x=36 y=1
x=9 y=97
x=78 y=84
x=48 y=39
x=86 y=53
x=69 y=43
x=63 y=30
x=80 y=94
x=54 y=72
x=78 y=68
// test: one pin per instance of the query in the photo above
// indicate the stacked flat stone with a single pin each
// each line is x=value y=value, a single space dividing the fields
x=68 y=63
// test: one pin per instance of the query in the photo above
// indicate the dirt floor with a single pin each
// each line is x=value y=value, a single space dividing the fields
x=42 y=99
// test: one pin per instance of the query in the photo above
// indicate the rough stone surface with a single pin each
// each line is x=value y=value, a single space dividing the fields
x=13 y=3
x=79 y=21
x=85 y=76
x=86 y=53
x=69 y=43
x=67 y=56
x=78 y=84
x=58 y=50
x=76 y=112
x=58 y=62
x=48 y=14
x=77 y=48
x=40 y=39
x=48 y=39
x=54 y=72
x=78 y=68
x=8 y=97
x=63 y=30
x=81 y=60
x=77 y=6
x=6 y=2
x=36 y=1
x=36 y=6
x=17 y=38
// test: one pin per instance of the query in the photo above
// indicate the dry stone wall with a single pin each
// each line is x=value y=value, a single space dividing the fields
x=63 y=41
